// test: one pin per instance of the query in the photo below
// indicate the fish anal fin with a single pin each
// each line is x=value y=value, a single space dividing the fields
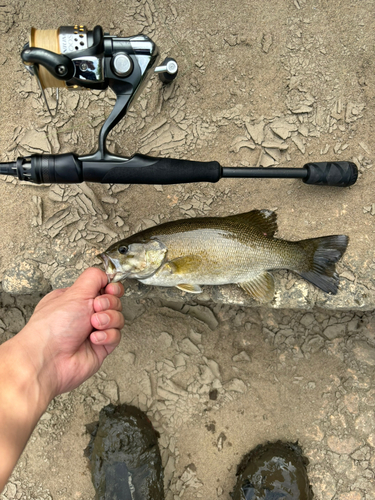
x=261 y=288
x=186 y=264
x=263 y=220
x=187 y=287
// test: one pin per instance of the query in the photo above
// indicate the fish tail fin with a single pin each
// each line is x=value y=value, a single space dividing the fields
x=321 y=255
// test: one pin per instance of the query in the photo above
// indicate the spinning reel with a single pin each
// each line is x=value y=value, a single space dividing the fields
x=73 y=57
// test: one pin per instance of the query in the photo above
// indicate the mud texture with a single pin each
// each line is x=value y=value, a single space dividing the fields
x=216 y=381
x=271 y=83
x=272 y=471
x=124 y=456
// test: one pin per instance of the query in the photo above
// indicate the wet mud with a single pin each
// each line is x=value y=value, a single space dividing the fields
x=124 y=455
x=272 y=471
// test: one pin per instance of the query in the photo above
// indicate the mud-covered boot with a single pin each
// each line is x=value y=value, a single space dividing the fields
x=274 y=471
x=124 y=455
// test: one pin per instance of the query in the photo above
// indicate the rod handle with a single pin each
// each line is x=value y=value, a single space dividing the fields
x=338 y=173
x=142 y=169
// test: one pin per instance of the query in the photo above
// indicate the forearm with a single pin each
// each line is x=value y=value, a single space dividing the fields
x=65 y=342
x=21 y=404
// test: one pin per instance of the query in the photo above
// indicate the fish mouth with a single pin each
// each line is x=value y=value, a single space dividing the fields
x=115 y=277
x=113 y=273
x=105 y=260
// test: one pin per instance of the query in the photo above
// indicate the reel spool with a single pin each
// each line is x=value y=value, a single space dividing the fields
x=65 y=39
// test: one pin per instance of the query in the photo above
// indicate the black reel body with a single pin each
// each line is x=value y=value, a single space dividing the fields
x=93 y=60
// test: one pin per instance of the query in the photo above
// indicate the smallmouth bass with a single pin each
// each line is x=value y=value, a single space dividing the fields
x=238 y=249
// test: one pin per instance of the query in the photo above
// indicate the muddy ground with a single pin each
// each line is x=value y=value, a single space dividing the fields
x=260 y=83
x=216 y=381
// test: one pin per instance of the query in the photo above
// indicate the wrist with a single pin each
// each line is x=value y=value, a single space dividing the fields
x=26 y=368
x=22 y=402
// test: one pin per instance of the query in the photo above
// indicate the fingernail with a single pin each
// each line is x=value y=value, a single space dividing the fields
x=103 y=319
x=99 y=336
x=115 y=288
x=104 y=303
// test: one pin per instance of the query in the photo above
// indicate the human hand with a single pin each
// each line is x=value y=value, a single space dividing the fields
x=72 y=331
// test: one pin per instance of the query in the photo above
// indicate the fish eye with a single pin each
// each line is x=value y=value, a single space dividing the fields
x=123 y=250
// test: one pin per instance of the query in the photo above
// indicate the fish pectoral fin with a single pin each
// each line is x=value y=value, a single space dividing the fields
x=190 y=288
x=263 y=220
x=186 y=264
x=261 y=288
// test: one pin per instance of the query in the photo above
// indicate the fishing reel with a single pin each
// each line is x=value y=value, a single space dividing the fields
x=75 y=58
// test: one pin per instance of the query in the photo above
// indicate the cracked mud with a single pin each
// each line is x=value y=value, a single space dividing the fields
x=259 y=84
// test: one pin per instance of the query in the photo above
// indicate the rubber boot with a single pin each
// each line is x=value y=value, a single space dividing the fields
x=125 y=456
x=274 y=471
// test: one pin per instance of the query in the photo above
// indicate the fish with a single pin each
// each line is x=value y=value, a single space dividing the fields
x=239 y=249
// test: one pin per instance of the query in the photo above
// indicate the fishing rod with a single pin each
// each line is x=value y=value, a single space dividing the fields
x=74 y=57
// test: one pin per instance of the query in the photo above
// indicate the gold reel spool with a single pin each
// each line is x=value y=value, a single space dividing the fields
x=49 y=40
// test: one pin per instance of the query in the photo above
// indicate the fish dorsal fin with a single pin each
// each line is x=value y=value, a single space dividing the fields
x=188 y=287
x=184 y=265
x=261 y=288
x=263 y=220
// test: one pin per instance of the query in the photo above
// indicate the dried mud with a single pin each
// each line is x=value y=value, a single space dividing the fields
x=215 y=385
x=260 y=83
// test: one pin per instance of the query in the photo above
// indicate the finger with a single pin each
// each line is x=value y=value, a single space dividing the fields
x=107 y=319
x=115 y=289
x=109 y=338
x=105 y=302
x=88 y=285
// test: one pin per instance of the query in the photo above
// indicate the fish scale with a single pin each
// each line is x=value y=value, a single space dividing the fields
x=221 y=250
x=226 y=256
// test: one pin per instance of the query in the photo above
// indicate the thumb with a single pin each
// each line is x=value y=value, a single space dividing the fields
x=89 y=284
